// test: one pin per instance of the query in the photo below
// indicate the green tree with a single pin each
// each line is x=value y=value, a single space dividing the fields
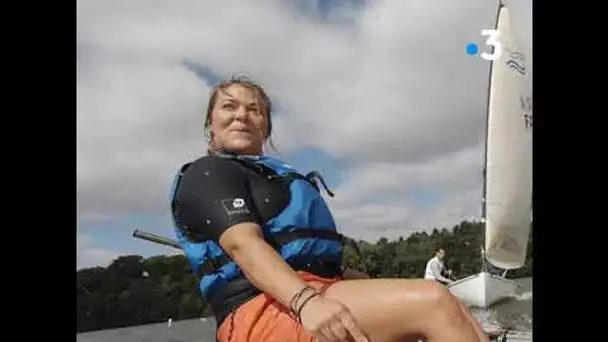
x=133 y=290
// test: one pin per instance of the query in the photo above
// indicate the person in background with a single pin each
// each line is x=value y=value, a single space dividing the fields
x=266 y=249
x=436 y=267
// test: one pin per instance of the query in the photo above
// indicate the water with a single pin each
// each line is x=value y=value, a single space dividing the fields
x=515 y=313
x=193 y=330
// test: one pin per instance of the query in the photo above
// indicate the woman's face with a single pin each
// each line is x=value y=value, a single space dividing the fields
x=238 y=123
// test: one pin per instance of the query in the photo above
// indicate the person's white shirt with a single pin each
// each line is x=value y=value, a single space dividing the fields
x=431 y=266
x=434 y=267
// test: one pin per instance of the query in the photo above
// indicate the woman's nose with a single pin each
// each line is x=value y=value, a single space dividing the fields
x=240 y=113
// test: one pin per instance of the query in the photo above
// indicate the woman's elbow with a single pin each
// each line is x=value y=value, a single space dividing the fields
x=240 y=238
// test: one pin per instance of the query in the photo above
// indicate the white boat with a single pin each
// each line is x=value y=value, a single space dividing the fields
x=483 y=289
x=507 y=197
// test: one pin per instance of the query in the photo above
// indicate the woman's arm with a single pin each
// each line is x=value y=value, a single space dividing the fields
x=205 y=195
x=437 y=273
x=245 y=245
x=260 y=263
x=325 y=319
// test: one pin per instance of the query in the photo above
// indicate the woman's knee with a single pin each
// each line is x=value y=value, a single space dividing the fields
x=383 y=305
x=439 y=297
x=422 y=298
x=427 y=305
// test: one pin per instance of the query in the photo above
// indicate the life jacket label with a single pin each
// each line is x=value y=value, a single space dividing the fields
x=235 y=206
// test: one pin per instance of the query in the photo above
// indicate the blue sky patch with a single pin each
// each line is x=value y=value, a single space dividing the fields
x=321 y=9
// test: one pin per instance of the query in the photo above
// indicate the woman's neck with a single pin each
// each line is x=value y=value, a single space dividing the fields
x=226 y=152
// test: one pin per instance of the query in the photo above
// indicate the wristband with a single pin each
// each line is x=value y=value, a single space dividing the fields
x=297 y=296
x=303 y=304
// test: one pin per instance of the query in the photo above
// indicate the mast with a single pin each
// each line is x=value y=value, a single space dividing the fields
x=485 y=161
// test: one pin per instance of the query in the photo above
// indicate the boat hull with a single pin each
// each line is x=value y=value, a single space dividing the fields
x=483 y=289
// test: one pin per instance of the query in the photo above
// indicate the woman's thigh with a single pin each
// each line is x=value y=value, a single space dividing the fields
x=387 y=309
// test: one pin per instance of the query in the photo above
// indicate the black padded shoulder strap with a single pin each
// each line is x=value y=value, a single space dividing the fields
x=172 y=201
x=177 y=180
x=269 y=173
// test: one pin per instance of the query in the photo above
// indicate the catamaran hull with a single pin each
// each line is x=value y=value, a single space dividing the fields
x=483 y=289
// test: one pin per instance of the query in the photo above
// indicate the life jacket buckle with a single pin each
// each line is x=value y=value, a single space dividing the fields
x=209 y=266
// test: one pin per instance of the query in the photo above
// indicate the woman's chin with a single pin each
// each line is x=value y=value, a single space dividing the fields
x=244 y=146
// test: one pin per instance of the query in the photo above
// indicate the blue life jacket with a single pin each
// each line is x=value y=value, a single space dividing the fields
x=303 y=233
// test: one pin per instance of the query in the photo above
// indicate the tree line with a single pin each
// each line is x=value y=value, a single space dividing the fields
x=134 y=290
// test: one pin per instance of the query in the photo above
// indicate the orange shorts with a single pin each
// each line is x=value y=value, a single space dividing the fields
x=263 y=319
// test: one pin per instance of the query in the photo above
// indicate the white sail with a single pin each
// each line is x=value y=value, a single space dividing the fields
x=508 y=188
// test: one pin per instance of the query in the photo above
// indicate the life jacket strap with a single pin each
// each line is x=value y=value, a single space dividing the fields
x=212 y=265
x=310 y=177
x=268 y=172
x=313 y=176
x=284 y=238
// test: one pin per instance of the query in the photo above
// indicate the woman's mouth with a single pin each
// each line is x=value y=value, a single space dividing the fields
x=242 y=131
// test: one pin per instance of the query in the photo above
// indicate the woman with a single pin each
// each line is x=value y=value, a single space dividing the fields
x=265 y=246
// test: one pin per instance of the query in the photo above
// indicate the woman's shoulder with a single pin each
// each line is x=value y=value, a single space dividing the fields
x=212 y=162
x=212 y=170
x=231 y=168
x=214 y=175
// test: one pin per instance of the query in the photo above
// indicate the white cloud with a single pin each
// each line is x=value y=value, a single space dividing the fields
x=88 y=255
x=393 y=91
x=135 y=120
x=379 y=198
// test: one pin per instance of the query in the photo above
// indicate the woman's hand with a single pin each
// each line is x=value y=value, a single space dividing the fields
x=330 y=321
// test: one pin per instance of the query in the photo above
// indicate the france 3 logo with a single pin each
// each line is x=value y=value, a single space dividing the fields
x=473 y=49
x=516 y=60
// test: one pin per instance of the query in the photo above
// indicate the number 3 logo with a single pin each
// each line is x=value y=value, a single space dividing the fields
x=493 y=41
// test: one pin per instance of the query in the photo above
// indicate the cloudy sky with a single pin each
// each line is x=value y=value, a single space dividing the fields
x=380 y=96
